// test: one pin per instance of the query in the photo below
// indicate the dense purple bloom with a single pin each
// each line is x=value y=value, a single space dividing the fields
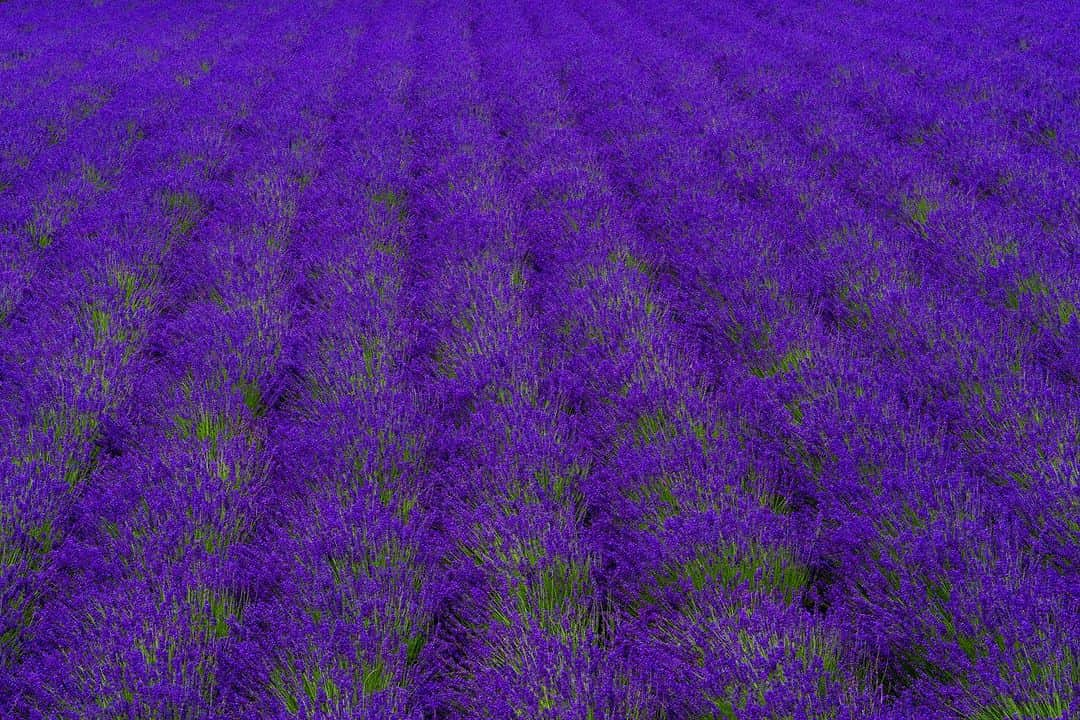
x=586 y=359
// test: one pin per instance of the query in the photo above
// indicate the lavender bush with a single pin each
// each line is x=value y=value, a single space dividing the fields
x=585 y=359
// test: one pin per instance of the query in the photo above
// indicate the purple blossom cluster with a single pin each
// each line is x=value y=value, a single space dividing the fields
x=583 y=359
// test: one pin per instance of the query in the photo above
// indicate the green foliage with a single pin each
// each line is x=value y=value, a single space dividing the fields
x=393 y=201
x=1008 y=708
x=184 y=208
x=211 y=612
x=765 y=569
x=99 y=320
x=41 y=230
x=918 y=211
x=93 y=176
x=376 y=677
x=1066 y=311
x=281 y=688
x=651 y=426
x=792 y=361
x=249 y=391
x=1031 y=285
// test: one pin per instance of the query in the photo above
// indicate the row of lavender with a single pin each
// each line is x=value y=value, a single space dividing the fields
x=574 y=360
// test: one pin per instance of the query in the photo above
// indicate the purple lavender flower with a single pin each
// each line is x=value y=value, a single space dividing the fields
x=606 y=359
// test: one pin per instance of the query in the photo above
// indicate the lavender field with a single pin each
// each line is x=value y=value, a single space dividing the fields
x=583 y=359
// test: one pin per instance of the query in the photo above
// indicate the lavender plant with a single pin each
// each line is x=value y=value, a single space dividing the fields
x=472 y=359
